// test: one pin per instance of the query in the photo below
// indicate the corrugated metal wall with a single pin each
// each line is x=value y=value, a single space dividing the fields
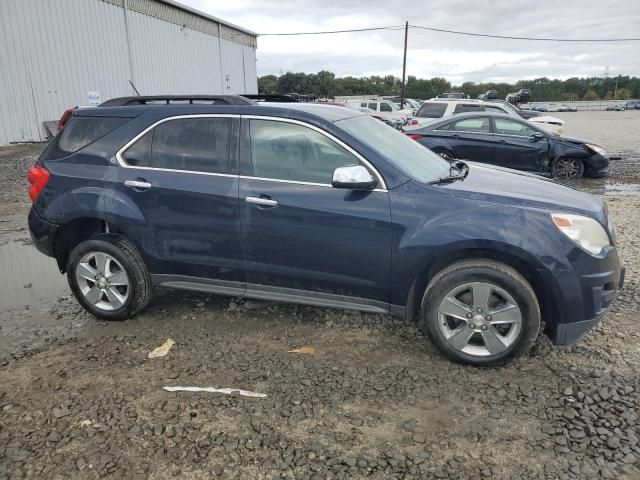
x=52 y=53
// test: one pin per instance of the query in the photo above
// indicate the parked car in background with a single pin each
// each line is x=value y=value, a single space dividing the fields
x=434 y=109
x=459 y=95
x=319 y=205
x=396 y=123
x=385 y=108
x=508 y=141
x=524 y=113
x=617 y=108
x=410 y=104
x=567 y=108
x=634 y=105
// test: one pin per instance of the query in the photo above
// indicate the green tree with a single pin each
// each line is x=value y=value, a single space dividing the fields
x=623 y=94
x=268 y=84
x=591 y=95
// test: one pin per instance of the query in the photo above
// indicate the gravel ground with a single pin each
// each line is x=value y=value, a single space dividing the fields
x=80 y=399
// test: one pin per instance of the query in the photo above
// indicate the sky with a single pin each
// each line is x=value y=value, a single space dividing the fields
x=431 y=54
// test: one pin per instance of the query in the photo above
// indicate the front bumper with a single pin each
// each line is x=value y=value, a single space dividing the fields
x=587 y=294
x=597 y=166
x=42 y=233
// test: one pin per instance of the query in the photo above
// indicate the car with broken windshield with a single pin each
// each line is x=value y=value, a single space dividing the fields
x=318 y=205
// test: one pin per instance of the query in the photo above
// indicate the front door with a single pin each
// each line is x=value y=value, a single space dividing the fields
x=175 y=194
x=302 y=237
x=471 y=139
x=516 y=146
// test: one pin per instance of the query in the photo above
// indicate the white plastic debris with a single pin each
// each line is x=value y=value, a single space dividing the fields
x=226 y=391
x=163 y=349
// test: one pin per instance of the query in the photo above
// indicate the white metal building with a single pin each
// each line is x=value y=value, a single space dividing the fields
x=55 y=54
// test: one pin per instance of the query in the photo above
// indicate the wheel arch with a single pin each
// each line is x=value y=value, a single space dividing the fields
x=72 y=233
x=523 y=265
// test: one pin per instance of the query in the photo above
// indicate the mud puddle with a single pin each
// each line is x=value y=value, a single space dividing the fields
x=29 y=280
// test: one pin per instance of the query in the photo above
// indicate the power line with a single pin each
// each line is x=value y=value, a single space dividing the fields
x=397 y=27
x=454 y=32
x=535 y=39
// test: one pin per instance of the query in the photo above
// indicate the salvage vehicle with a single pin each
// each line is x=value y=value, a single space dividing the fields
x=435 y=109
x=319 y=205
x=512 y=142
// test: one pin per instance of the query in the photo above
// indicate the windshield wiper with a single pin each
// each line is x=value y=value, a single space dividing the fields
x=458 y=166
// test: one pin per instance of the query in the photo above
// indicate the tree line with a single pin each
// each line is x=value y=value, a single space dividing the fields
x=324 y=84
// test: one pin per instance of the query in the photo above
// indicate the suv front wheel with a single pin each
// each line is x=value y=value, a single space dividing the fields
x=480 y=312
x=109 y=278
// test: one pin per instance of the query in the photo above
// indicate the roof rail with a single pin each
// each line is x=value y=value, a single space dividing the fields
x=168 y=99
x=259 y=97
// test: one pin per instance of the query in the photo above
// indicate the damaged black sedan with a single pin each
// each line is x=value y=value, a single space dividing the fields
x=510 y=142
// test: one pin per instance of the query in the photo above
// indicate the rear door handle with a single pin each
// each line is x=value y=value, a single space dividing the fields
x=137 y=184
x=265 y=202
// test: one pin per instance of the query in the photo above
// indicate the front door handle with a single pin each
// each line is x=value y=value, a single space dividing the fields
x=265 y=202
x=137 y=184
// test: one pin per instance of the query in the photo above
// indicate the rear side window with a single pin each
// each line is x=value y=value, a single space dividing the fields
x=461 y=108
x=473 y=125
x=193 y=144
x=432 y=110
x=80 y=132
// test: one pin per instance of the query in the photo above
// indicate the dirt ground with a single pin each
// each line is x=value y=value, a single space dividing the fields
x=80 y=399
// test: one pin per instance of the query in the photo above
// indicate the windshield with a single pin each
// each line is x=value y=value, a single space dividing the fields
x=407 y=155
x=513 y=108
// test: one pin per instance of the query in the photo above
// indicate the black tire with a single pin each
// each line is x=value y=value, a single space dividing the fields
x=567 y=168
x=444 y=153
x=481 y=270
x=125 y=253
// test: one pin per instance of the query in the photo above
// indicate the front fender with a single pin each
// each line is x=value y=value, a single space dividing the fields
x=449 y=229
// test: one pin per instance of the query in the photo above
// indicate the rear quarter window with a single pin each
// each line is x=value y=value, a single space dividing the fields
x=432 y=110
x=80 y=132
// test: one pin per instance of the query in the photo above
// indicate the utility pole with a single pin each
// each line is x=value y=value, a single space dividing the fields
x=404 y=65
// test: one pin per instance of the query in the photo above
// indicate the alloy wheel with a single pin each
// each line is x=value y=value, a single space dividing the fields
x=567 y=168
x=102 y=281
x=479 y=319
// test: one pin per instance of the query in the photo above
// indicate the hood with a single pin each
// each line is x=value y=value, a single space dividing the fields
x=507 y=186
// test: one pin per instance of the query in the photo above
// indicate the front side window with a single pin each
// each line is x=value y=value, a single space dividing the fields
x=432 y=110
x=475 y=125
x=191 y=144
x=385 y=107
x=287 y=151
x=465 y=107
x=504 y=126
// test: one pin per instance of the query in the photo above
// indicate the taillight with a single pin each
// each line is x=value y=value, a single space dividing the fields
x=414 y=136
x=38 y=177
x=414 y=121
x=65 y=118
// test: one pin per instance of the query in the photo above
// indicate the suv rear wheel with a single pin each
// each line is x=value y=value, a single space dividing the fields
x=480 y=312
x=109 y=278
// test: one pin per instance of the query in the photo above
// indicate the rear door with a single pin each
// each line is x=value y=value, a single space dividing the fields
x=302 y=237
x=175 y=194
x=471 y=139
x=515 y=146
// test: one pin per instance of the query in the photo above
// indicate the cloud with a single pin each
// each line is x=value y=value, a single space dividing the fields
x=457 y=58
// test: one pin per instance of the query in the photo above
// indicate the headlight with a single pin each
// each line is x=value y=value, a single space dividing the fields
x=584 y=231
x=596 y=149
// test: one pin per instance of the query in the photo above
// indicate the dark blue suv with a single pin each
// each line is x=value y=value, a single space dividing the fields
x=319 y=205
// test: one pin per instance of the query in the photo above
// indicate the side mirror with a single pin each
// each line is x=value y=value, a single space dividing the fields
x=538 y=136
x=353 y=177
